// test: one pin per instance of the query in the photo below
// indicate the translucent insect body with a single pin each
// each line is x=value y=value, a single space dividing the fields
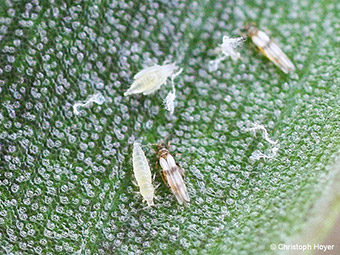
x=173 y=175
x=142 y=174
x=151 y=79
x=270 y=49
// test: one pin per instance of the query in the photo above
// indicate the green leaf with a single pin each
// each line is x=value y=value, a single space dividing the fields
x=66 y=180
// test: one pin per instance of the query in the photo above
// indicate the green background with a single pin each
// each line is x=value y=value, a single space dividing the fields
x=66 y=181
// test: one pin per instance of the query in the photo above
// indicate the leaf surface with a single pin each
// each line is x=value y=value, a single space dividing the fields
x=66 y=181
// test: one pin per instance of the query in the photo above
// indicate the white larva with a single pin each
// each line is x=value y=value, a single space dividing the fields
x=142 y=174
x=270 y=49
x=151 y=79
x=173 y=174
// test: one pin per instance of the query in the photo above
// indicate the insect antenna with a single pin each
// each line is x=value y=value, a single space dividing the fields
x=147 y=207
x=173 y=76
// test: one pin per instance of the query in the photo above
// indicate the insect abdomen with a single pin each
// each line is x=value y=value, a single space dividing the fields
x=150 y=79
x=142 y=173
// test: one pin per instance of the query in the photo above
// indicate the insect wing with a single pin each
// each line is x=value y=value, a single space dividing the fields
x=273 y=52
x=260 y=39
x=164 y=164
x=171 y=179
x=282 y=58
x=276 y=55
x=171 y=161
x=176 y=181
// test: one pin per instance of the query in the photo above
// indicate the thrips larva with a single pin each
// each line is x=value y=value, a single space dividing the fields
x=270 y=49
x=142 y=173
x=172 y=174
x=151 y=79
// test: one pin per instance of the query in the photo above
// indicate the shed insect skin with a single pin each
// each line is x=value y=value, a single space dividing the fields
x=172 y=174
x=150 y=79
x=270 y=49
x=142 y=174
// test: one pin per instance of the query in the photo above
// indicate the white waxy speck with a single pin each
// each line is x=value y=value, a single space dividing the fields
x=169 y=101
x=257 y=127
x=229 y=45
x=256 y=155
x=213 y=64
x=227 y=48
x=97 y=98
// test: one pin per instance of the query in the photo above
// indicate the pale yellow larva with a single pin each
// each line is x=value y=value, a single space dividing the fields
x=151 y=79
x=142 y=174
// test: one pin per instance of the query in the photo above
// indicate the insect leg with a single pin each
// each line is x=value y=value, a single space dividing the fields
x=145 y=207
x=157 y=186
x=164 y=177
x=134 y=183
